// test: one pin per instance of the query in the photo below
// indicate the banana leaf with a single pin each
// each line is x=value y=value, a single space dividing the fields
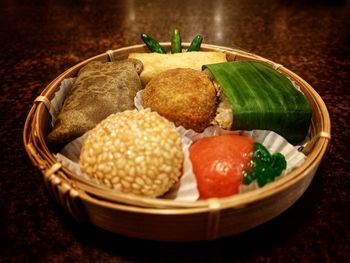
x=263 y=98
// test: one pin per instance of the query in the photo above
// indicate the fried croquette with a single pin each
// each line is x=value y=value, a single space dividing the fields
x=184 y=96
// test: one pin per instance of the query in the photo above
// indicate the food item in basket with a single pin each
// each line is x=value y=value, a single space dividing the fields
x=136 y=152
x=185 y=96
x=176 y=43
x=263 y=98
x=99 y=90
x=222 y=163
x=219 y=162
x=265 y=167
x=155 y=63
x=152 y=44
x=195 y=44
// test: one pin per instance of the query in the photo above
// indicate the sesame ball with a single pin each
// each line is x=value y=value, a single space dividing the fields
x=136 y=152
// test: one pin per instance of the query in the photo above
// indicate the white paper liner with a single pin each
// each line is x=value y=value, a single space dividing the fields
x=271 y=140
x=58 y=99
x=138 y=100
x=187 y=189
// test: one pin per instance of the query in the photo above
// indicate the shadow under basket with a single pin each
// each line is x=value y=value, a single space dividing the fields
x=169 y=220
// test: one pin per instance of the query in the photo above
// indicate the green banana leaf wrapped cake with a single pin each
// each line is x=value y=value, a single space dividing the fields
x=262 y=98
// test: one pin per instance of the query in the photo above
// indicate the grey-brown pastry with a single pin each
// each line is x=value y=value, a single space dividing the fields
x=100 y=89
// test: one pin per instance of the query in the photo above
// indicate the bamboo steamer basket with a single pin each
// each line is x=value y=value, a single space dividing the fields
x=169 y=220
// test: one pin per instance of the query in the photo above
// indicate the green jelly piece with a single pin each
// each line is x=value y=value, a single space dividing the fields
x=261 y=153
x=278 y=162
x=248 y=178
x=265 y=167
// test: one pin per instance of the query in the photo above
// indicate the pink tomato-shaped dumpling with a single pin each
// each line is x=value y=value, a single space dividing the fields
x=219 y=163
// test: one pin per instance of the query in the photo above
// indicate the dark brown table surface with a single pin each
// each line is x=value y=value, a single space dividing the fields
x=41 y=39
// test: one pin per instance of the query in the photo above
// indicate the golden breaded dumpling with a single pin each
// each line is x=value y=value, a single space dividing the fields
x=182 y=95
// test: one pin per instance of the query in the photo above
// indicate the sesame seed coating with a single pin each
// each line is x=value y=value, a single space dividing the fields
x=136 y=152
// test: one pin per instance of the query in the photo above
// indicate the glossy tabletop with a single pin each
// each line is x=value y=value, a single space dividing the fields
x=41 y=39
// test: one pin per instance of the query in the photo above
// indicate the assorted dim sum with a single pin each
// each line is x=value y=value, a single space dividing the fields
x=141 y=151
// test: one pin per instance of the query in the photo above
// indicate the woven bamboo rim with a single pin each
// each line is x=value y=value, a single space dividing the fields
x=60 y=180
